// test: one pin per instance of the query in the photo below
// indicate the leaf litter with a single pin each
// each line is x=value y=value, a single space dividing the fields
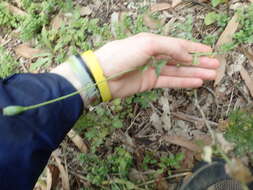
x=172 y=126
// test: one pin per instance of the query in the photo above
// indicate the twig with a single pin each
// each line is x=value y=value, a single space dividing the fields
x=169 y=177
x=204 y=117
x=191 y=118
x=230 y=101
x=204 y=5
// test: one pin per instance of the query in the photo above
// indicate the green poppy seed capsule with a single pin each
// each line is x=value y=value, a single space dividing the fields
x=13 y=110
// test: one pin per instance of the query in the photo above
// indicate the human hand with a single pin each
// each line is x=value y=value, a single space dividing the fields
x=121 y=55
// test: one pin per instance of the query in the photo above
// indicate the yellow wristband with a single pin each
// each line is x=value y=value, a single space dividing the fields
x=97 y=72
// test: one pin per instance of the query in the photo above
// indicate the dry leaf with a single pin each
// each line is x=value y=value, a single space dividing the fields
x=225 y=145
x=176 y=3
x=184 y=142
x=159 y=7
x=49 y=178
x=136 y=176
x=249 y=55
x=163 y=101
x=63 y=173
x=15 y=10
x=150 y=22
x=40 y=185
x=221 y=70
x=78 y=141
x=115 y=17
x=238 y=171
x=226 y=37
x=24 y=50
x=248 y=81
x=85 y=11
x=57 y=21
x=161 y=183
x=156 y=121
x=188 y=161
x=55 y=175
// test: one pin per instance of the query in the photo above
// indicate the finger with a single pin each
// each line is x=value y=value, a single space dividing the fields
x=191 y=72
x=178 y=49
x=168 y=46
x=195 y=47
x=204 y=62
x=177 y=82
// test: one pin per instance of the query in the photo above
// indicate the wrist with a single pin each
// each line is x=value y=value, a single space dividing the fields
x=97 y=71
x=74 y=70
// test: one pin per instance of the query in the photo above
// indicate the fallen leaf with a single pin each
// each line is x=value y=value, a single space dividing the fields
x=156 y=121
x=57 y=21
x=49 y=178
x=24 y=50
x=150 y=22
x=40 y=185
x=85 y=11
x=249 y=55
x=224 y=144
x=55 y=175
x=136 y=176
x=221 y=70
x=248 y=81
x=176 y=3
x=161 y=183
x=63 y=173
x=159 y=7
x=188 y=161
x=226 y=37
x=78 y=141
x=15 y=10
x=163 y=101
x=223 y=125
x=182 y=141
x=115 y=17
x=238 y=171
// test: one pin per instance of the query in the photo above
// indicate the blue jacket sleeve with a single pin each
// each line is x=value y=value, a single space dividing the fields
x=27 y=140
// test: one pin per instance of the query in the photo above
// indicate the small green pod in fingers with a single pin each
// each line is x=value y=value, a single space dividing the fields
x=13 y=110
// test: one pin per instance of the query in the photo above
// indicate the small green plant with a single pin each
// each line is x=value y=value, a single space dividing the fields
x=170 y=162
x=146 y=97
x=220 y=18
x=215 y=3
x=240 y=131
x=149 y=160
x=8 y=65
x=184 y=29
x=245 y=34
x=6 y=18
x=210 y=39
x=99 y=171
x=98 y=125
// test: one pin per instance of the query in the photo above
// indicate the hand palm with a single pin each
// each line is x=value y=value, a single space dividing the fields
x=136 y=51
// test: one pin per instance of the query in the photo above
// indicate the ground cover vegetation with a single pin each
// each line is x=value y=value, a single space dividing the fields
x=150 y=140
